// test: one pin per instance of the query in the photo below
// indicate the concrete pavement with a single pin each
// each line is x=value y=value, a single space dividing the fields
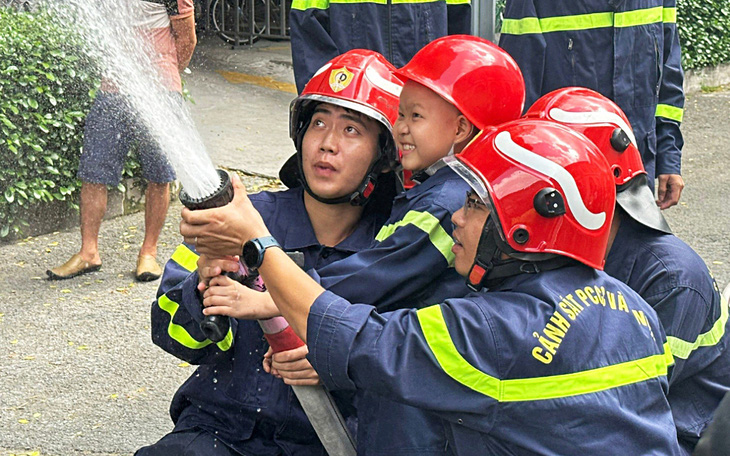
x=79 y=373
x=242 y=102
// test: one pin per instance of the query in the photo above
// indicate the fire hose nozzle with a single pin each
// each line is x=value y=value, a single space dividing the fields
x=220 y=196
x=215 y=327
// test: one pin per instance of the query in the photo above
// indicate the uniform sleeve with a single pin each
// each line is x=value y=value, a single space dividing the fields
x=311 y=43
x=521 y=36
x=407 y=356
x=459 y=17
x=671 y=98
x=695 y=329
x=178 y=311
x=407 y=256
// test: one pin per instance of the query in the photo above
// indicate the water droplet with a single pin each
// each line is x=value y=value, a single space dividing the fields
x=215 y=380
x=258 y=410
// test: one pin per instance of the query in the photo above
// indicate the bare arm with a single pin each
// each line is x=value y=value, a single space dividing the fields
x=183 y=32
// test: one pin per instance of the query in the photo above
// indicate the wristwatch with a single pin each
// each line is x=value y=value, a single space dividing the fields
x=252 y=253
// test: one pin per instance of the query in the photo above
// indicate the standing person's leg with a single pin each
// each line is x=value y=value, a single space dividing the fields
x=93 y=208
x=100 y=164
x=157 y=200
x=159 y=173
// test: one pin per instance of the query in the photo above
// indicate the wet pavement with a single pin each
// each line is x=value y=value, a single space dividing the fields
x=80 y=374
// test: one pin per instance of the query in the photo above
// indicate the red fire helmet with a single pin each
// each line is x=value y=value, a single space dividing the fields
x=480 y=79
x=601 y=120
x=604 y=123
x=550 y=187
x=360 y=80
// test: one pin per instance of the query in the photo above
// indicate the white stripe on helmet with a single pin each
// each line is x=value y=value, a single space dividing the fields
x=592 y=117
x=382 y=83
x=586 y=218
x=322 y=70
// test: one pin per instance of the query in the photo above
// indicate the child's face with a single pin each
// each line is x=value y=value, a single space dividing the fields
x=337 y=150
x=426 y=128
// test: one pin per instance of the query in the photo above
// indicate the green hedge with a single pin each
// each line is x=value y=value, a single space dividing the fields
x=704 y=30
x=46 y=89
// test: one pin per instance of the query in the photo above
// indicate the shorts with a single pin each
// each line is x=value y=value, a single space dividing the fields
x=110 y=132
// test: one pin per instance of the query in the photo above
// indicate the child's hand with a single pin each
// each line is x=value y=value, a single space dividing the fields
x=225 y=296
x=209 y=267
x=291 y=366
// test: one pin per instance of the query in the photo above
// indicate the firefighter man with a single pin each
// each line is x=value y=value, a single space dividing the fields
x=549 y=355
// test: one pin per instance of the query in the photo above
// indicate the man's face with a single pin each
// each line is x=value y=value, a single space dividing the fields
x=468 y=225
x=337 y=150
x=426 y=126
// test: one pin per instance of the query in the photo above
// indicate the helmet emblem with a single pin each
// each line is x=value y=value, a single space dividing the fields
x=589 y=220
x=340 y=79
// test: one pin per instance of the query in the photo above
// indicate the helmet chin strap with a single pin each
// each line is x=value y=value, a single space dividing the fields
x=489 y=268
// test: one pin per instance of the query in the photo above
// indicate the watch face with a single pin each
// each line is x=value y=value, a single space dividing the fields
x=250 y=254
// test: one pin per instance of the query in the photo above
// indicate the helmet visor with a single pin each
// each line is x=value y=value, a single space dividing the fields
x=472 y=179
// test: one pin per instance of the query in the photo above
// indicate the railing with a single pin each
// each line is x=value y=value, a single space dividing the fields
x=245 y=21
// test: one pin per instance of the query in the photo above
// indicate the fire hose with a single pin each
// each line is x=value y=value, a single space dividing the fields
x=316 y=401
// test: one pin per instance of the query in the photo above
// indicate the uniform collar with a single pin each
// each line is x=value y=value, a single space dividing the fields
x=444 y=173
x=421 y=176
x=299 y=233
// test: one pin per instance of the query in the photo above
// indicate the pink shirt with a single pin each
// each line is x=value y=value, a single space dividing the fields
x=154 y=23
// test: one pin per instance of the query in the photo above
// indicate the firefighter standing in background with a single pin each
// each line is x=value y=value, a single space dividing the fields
x=666 y=272
x=626 y=50
x=324 y=29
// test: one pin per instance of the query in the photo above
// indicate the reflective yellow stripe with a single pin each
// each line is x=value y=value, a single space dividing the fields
x=634 y=18
x=668 y=355
x=180 y=334
x=523 y=26
x=395 y=2
x=177 y=332
x=669 y=15
x=185 y=258
x=307 y=4
x=682 y=349
x=530 y=389
x=669 y=112
x=638 y=17
x=227 y=341
x=458 y=2
x=428 y=224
